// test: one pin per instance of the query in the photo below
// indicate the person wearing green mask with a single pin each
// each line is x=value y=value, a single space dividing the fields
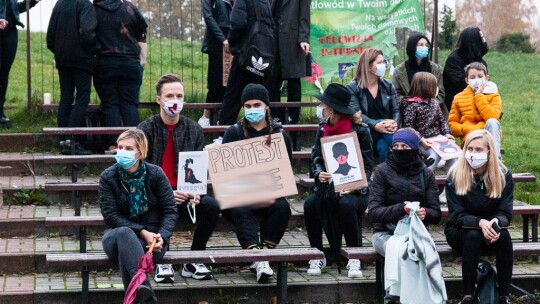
x=418 y=49
x=256 y=122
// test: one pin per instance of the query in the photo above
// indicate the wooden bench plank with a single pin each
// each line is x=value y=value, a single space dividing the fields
x=71 y=186
x=229 y=256
x=66 y=221
x=78 y=159
x=195 y=105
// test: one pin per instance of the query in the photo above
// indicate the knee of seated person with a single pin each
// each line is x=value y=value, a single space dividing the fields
x=348 y=202
x=310 y=203
x=124 y=233
x=210 y=203
x=473 y=235
x=283 y=206
x=492 y=122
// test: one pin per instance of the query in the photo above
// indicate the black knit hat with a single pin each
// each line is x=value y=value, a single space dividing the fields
x=255 y=91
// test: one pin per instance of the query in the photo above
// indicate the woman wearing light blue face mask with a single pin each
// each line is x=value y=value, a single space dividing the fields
x=418 y=50
x=275 y=213
x=137 y=204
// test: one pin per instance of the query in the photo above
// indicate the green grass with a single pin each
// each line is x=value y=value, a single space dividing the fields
x=515 y=74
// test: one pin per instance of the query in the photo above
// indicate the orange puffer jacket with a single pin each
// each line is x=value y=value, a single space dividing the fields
x=470 y=112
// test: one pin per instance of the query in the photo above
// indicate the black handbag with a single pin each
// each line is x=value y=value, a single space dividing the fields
x=487 y=285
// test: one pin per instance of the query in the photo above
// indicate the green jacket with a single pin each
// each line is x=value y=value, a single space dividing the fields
x=401 y=82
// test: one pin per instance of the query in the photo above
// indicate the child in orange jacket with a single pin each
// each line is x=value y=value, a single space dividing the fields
x=477 y=107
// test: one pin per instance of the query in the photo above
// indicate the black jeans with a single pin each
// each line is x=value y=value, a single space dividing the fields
x=123 y=245
x=73 y=80
x=351 y=209
x=118 y=86
x=232 y=102
x=207 y=212
x=470 y=242
x=294 y=93
x=216 y=90
x=8 y=49
x=275 y=219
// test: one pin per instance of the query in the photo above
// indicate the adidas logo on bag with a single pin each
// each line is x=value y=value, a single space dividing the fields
x=258 y=66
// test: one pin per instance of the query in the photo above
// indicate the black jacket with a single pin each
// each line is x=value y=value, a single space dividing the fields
x=393 y=184
x=114 y=201
x=366 y=148
x=454 y=76
x=243 y=18
x=71 y=34
x=389 y=99
x=17 y=7
x=120 y=28
x=467 y=210
x=216 y=14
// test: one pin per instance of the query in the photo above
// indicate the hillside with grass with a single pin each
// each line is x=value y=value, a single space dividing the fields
x=515 y=74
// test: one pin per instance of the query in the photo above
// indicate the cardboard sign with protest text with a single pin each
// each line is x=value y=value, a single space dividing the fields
x=343 y=159
x=193 y=172
x=248 y=172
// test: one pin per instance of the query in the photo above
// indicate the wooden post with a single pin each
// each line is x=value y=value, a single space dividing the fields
x=28 y=61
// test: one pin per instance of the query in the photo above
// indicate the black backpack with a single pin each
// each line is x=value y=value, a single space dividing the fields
x=487 y=286
x=256 y=57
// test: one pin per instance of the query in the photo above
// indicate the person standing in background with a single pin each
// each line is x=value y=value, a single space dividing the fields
x=71 y=36
x=121 y=33
x=9 y=38
x=291 y=31
x=471 y=47
x=216 y=14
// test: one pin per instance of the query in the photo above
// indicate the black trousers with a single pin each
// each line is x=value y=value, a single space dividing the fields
x=216 y=90
x=470 y=242
x=351 y=209
x=8 y=49
x=75 y=85
x=294 y=93
x=207 y=212
x=275 y=219
x=232 y=102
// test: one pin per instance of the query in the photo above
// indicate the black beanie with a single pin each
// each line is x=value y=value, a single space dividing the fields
x=255 y=91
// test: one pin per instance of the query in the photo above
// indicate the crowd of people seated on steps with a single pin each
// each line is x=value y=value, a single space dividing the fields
x=391 y=119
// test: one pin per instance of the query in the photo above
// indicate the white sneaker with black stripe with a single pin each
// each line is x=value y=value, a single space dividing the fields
x=196 y=271
x=354 y=266
x=316 y=266
x=164 y=273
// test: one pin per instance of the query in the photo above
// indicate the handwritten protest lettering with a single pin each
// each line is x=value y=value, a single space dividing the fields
x=249 y=171
x=228 y=158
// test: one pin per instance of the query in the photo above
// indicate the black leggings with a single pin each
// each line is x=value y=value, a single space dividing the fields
x=8 y=49
x=470 y=242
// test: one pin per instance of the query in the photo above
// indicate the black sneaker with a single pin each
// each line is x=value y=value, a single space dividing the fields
x=5 y=122
x=505 y=300
x=145 y=295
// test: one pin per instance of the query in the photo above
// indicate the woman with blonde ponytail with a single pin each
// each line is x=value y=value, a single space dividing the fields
x=480 y=194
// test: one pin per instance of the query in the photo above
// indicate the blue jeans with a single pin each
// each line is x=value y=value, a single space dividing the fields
x=118 y=86
x=383 y=143
x=123 y=245
x=493 y=126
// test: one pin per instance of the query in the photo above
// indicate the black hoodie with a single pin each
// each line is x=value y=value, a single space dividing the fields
x=120 y=28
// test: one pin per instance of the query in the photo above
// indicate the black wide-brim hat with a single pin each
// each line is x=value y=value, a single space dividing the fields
x=338 y=98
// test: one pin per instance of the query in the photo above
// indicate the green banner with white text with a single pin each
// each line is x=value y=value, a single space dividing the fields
x=342 y=29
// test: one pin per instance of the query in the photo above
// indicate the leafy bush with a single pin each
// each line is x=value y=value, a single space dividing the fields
x=514 y=42
x=30 y=197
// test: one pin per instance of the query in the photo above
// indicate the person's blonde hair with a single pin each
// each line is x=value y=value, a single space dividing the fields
x=462 y=175
x=140 y=140
x=365 y=61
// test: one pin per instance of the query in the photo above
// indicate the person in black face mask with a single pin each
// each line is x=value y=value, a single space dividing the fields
x=403 y=178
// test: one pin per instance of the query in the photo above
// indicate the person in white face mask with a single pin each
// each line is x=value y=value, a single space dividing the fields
x=168 y=133
x=376 y=98
x=479 y=106
x=480 y=194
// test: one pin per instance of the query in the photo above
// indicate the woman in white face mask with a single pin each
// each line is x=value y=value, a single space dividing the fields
x=376 y=98
x=480 y=194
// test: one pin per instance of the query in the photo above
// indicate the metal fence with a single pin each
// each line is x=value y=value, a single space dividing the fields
x=175 y=32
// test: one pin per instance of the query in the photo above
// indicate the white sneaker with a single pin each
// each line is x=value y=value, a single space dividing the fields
x=316 y=266
x=196 y=271
x=263 y=271
x=442 y=197
x=441 y=164
x=204 y=122
x=354 y=268
x=164 y=273
x=216 y=141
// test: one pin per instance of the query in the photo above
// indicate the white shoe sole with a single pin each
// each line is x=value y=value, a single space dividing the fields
x=359 y=275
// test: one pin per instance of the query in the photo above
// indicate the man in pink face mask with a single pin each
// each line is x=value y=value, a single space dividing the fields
x=168 y=133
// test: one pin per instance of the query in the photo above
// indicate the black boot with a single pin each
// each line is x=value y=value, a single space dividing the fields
x=145 y=295
x=505 y=300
